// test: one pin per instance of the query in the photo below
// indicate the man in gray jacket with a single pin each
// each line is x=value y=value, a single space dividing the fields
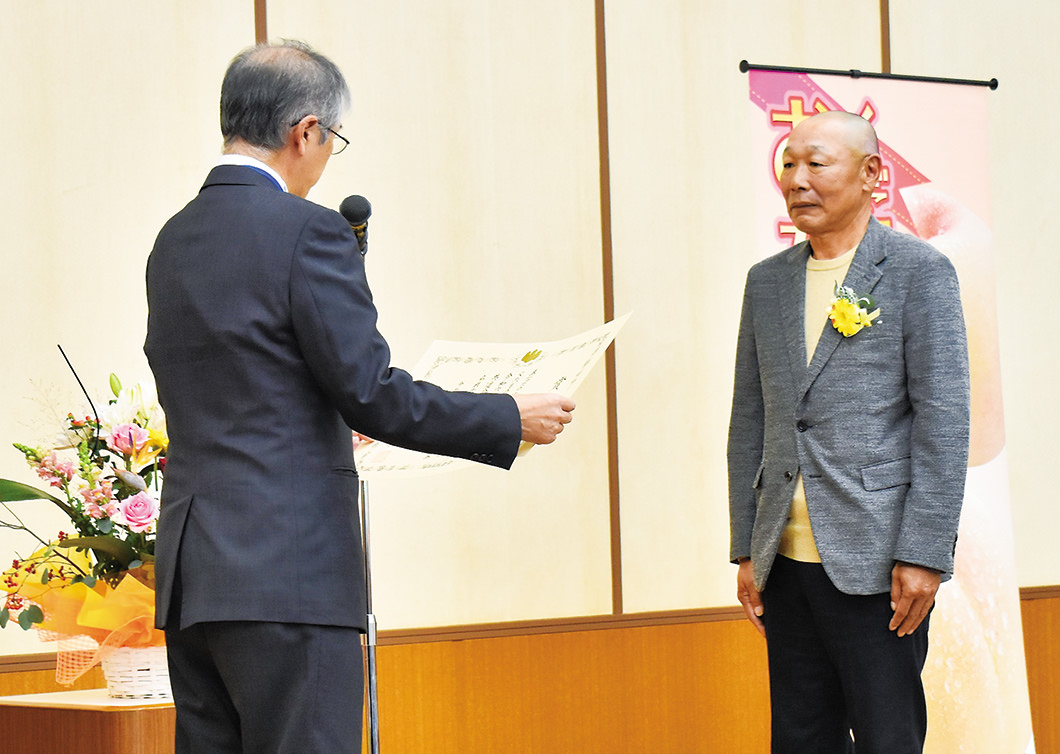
x=847 y=453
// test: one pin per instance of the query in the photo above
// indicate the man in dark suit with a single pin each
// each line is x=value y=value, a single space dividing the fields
x=263 y=342
x=848 y=448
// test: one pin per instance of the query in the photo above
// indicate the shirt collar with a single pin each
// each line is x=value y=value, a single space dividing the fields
x=251 y=162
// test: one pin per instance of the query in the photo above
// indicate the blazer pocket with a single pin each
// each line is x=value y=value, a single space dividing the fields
x=881 y=476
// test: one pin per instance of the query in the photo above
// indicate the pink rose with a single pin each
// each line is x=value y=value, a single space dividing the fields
x=138 y=512
x=128 y=439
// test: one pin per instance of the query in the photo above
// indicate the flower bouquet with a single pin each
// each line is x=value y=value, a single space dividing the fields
x=92 y=590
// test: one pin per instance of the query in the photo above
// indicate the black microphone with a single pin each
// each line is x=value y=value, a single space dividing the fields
x=356 y=209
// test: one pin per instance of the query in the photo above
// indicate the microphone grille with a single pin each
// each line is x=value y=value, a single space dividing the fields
x=356 y=209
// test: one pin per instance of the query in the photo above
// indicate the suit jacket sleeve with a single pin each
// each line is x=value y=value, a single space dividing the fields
x=335 y=325
x=936 y=353
x=746 y=434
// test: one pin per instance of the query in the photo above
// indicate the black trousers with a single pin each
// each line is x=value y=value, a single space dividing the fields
x=266 y=688
x=835 y=669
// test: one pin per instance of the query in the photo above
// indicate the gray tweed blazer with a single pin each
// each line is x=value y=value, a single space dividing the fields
x=877 y=423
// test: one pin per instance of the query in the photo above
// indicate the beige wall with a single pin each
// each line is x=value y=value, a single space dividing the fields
x=681 y=187
x=110 y=111
x=475 y=137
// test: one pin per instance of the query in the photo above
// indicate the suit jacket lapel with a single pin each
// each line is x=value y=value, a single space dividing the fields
x=862 y=277
x=791 y=306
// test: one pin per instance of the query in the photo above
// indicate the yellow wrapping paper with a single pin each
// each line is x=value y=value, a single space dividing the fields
x=89 y=624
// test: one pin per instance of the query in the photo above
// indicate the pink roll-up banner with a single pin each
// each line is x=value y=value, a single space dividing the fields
x=936 y=185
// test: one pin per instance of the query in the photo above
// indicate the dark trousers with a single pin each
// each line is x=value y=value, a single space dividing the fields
x=835 y=668
x=266 y=688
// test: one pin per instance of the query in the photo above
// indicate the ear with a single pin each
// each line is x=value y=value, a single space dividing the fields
x=871 y=170
x=299 y=136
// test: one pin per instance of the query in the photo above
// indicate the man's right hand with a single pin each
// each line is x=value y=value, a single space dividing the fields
x=749 y=597
x=543 y=415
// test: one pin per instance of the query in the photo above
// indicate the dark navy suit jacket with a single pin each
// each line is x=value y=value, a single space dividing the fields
x=263 y=342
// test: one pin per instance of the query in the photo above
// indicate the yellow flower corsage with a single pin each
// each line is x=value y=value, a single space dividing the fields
x=851 y=312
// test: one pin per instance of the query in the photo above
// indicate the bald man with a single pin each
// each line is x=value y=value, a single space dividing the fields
x=848 y=447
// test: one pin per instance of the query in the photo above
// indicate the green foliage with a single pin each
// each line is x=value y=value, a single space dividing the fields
x=13 y=492
x=105 y=548
x=29 y=616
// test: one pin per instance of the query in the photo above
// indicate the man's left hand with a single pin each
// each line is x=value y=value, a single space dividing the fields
x=913 y=590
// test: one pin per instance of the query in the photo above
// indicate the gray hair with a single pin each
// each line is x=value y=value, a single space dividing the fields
x=269 y=88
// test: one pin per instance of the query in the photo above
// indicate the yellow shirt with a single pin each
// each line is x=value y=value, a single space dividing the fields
x=822 y=275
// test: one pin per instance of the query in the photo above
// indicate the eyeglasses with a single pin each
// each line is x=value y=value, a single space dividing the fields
x=336 y=147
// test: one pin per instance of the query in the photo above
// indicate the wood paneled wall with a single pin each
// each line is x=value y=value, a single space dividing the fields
x=676 y=688
x=1041 y=638
x=43 y=681
x=679 y=688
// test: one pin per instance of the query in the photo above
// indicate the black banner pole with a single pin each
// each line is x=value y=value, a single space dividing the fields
x=856 y=74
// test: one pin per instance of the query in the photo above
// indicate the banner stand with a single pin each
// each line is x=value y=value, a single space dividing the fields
x=933 y=147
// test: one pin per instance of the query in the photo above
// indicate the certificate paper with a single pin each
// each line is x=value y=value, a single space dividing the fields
x=556 y=367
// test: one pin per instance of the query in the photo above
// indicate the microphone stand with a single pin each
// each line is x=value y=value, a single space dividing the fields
x=370 y=637
x=356 y=210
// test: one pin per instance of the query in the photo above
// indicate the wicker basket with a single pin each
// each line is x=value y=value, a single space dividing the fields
x=137 y=673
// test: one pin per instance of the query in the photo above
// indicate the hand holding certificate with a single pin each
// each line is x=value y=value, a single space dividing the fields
x=521 y=369
x=542 y=416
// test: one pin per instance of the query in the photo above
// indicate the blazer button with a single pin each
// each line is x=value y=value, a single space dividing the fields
x=788 y=475
x=801 y=425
